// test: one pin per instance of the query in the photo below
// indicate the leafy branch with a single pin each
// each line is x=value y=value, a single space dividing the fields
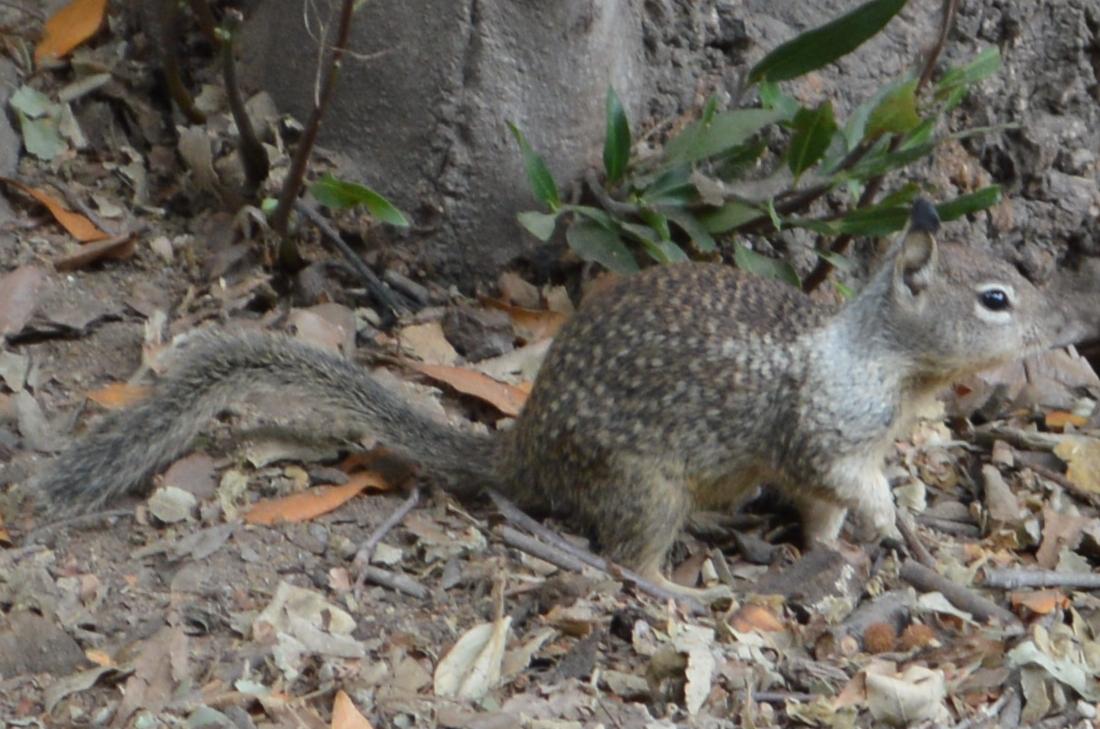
x=743 y=171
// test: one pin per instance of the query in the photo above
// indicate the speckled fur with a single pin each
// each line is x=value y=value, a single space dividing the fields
x=681 y=387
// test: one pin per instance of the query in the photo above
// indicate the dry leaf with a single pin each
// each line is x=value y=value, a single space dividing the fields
x=1057 y=420
x=755 y=617
x=77 y=225
x=313 y=503
x=19 y=297
x=506 y=398
x=69 y=27
x=1082 y=456
x=473 y=665
x=1039 y=602
x=119 y=395
x=914 y=696
x=532 y=325
x=345 y=715
x=117 y=248
x=428 y=343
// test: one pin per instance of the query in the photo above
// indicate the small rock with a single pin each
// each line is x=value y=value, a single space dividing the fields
x=170 y=504
x=478 y=334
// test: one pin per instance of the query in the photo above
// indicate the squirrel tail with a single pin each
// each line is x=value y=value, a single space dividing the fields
x=216 y=369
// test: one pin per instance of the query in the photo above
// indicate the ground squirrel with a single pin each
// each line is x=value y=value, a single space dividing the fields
x=682 y=387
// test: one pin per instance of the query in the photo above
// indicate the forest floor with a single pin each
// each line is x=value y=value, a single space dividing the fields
x=230 y=597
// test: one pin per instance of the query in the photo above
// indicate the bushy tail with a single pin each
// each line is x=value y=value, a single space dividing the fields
x=129 y=446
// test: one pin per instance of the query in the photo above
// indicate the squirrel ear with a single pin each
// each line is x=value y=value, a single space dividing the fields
x=915 y=265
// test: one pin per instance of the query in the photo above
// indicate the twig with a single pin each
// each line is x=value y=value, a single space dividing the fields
x=169 y=39
x=204 y=16
x=912 y=539
x=890 y=607
x=378 y=290
x=947 y=19
x=366 y=551
x=394 y=581
x=1011 y=578
x=607 y=202
x=781 y=697
x=950 y=526
x=1028 y=440
x=542 y=550
x=962 y=597
x=295 y=176
x=1062 y=480
x=514 y=514
x=253 y=155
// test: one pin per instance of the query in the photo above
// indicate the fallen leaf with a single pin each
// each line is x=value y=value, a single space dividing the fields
x=19 y=298
x=313 y=503
x=428 y=343
x=755 y=617
x=1039 y=602
x=1060 y=531
x=99 y=657
x=118 y=248
x=78 y=226
x=506 y=398
x=345 y=715
x=119 y=395
x=69 y=27
x=532 y=325
x=1082 y=456
x=1057 y=420
x=907 y=699
x=473 y=665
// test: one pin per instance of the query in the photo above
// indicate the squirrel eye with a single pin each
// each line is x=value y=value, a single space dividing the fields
x=994 y=299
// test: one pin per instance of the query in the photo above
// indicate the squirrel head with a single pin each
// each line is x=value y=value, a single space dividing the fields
x=950 y=310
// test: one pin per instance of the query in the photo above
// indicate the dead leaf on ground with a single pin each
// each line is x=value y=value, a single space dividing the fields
x=78 y=226
x=313 y=503
x=69 y=27
x=506 y=398
x=1039 y=602
x=473 y=666
x=532 y=325
x=345 y=715
x=1060 y=531
x=118 y=248
x=119 y=395
x=1082 y=456
x=1057 y=420
x=19 y=297
x=428 y=343
x=755 y=617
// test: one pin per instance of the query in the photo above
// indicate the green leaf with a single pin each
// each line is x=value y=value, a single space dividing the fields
x=845 y=292
x=662 y=251
x=821 y=46
x=837 y=261
x=777 y=222
x=983 y=65
x=897 y=112
x=813 y=129
x=671 y=187
x=695 y=230
x=732 y=215
x=616 y=145
x=969 y=203
x=724 y=131
x=542 y=182
x=594 y=214
x=540 y=225
x=902 y=196
x=593 y=242
x=881 y=163
x=341 y=194
x=753 y=262
x=772 y=98
x=877 y=220
x=658 y=222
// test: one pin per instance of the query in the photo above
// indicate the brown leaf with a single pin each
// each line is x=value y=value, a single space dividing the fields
x=313 y=503
x=755 y=617
x=119 y=395
x=19 y=297
x=531 y=325
x=119 y=248
x=345 y=715
x=1039 y=602
x=1082 y=456
x=506 y=398
x=77 y=225
x=1059 y=532
x=1057 y=420
x=69 y=27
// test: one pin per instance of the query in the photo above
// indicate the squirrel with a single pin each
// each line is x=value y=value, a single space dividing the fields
x=679 y=388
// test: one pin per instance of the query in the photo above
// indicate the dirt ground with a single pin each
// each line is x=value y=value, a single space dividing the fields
x=184 y=609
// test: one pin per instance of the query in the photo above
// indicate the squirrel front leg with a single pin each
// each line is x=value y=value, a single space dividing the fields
x=856 y=485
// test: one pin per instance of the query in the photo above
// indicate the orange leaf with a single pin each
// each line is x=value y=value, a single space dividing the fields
x=345 y=715
x=1039 y=602
x=506 y=398
x=99 y=657
x=119 y=395
x=531 y=325
x=313 y=503
x=1057 y=420
x=119 y=248
x=69 y=27
x=78 y=226
x=755 y=617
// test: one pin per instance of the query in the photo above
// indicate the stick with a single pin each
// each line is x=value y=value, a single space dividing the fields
x=962 y=597
x=546 y=552
x=394 y=581
x=950 y=526
x=366 y=552
x=1016 y=578
x=912 y=539
x=992 y=711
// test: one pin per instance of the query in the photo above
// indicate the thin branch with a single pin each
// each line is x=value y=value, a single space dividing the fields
x=169 y=39
x=253 y=155
x=204 y=16
x=280 y=220
x=366 y=551
x=1017 y=578
x=912 y=539
x=947 y=20
x=962 y=597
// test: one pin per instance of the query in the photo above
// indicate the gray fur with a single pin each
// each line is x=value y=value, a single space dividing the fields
x=682 y=387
